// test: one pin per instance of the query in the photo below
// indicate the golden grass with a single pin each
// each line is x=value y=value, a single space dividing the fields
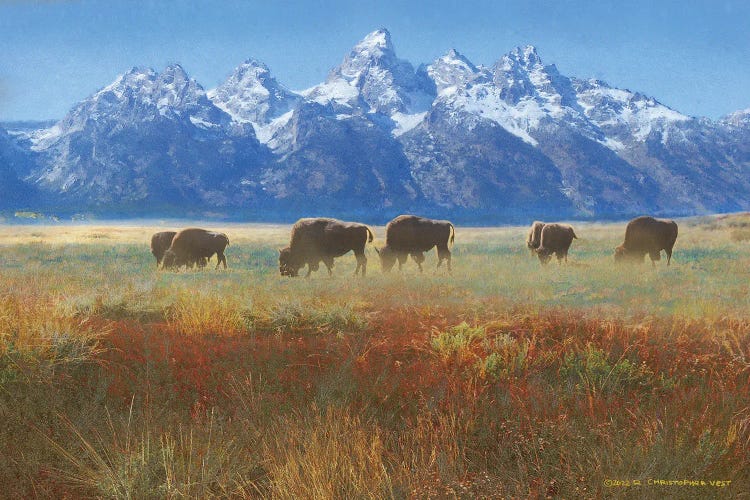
x=123 y=233
x=506 y=378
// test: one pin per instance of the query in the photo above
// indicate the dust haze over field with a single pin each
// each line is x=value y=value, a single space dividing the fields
x=505 y=378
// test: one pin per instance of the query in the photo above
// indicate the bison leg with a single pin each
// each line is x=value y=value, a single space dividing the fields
x=418 y=258
x=402 y=259
x=654 y=257
x=311 y=267
x=669 y=255
x=220 y=257
x=329 y=265
x=444 y=253
x=361 y=262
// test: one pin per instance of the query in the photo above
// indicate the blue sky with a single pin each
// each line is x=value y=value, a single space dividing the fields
x=690 y=55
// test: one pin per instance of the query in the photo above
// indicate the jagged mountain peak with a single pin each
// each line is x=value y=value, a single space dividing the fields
x=525 y=57
x=377 y=41
x=251 y=94
x=522 y=76
x=452 y=133
x=172 y=86
x=371 y=78
x=133 y=79
x=454 y=55
x=137 y=96
x=251 y=67
x=374 y=50
x=739 y=118
x=175 y=70
x=452 y=69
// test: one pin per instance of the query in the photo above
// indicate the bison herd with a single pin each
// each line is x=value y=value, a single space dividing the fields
x=317 y=240
x=190 y=247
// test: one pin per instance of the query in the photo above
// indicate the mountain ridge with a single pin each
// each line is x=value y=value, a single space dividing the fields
x=380 y=136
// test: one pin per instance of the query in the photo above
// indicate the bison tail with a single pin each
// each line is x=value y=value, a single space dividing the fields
x=453 y=234
x=370 y=235
x=573 y=233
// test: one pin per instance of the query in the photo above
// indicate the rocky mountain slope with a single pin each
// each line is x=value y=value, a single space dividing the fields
x=379 y=137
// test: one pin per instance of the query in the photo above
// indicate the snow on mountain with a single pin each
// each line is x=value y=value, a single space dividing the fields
x=537 y=104
x=349 y=166
x=622 y=114
x=454 y=70
x=146 y=139
x=252 y=95
x=739 y=118
x=141 y=94
x=519 y=92
x=485 y=101
x=520 y=75
x=516 y=138
x=372 y=79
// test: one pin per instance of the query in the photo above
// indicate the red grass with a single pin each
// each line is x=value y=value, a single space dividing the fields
x=525 y=426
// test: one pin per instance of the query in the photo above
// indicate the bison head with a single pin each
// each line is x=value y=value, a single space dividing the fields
x=170 y=260
x=535 y=235
x=544 y=254
x=622 y=254
x=619 y=253
x=287 y=265
x=387 y=258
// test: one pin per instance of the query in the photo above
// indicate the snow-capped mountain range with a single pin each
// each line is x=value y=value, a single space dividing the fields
x=379 y=137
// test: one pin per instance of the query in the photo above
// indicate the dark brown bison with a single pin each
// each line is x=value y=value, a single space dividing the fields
x=160 y=243
x=646 y=235
x=535 y=236
x=196 y=246
x=322 y=239
x=412 y=235
x=555 y=239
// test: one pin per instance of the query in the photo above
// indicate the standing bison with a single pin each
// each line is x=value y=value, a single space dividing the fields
x=535 y=236
x=646 y=235
x=412 y=235
x=160 y=243
x=195 y=246
x=322 y=239
x=555 y=239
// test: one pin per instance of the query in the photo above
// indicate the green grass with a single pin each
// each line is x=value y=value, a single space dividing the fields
x=505 y=378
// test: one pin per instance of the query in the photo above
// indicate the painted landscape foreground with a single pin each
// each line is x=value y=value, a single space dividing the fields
x=505 y=379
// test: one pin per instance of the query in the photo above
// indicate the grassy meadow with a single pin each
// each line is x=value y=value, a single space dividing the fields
x=505 y=379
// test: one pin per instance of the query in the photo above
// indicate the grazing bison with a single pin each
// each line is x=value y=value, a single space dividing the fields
x=322 y=239
x=646 y=235
x=555 y=239
x=411 y=235
x=160 y=243
x=535 y=236
x=196 y=246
